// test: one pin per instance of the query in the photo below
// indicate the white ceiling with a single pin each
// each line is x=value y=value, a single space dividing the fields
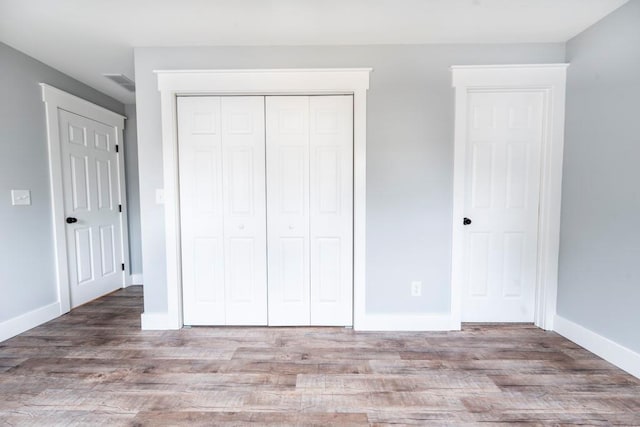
x=86 y=38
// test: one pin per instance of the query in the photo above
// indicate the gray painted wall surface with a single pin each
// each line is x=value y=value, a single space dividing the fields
x=599 y=271
x=27 y=270
x=409 y=155
x=133 y=188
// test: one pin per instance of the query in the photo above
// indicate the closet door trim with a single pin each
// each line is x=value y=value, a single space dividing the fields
x=173 y=83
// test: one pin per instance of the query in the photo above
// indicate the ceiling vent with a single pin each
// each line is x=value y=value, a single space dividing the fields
x=123 y=81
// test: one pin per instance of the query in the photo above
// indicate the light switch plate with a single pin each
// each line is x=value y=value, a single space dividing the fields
x=160 y=196
x=21 y=197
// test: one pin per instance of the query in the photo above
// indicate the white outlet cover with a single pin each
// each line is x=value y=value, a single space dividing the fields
x=21 y=197
x=416 y=288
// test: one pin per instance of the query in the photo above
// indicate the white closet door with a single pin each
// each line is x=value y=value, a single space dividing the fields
x=331 y=209
x=221 y=160
x=243 y=166
x=288 y=209
x=201 y=210
x=503 y=185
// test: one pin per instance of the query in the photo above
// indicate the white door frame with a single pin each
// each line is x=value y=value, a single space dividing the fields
x=550 y=80
x=56 y=99
x=173 y=83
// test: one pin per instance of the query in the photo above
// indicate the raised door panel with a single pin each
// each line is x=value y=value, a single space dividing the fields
x=287 y=127
x=83 y=256
x=331 y=209
x=90 y=183
x=105 y=171
x=107 y=250
x=504 y=137
x=79 y=188
x=243 y=152
x=201 y=210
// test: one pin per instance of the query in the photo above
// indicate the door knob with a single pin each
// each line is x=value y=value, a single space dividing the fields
x=466 y=221
x=71 y=220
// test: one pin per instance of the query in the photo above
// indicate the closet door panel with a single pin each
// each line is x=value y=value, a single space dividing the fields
x=243 y=153
x=288 y=209
x=201 y=201
x=331 y=209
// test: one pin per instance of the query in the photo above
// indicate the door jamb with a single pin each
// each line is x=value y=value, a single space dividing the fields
x=56 y=99
x=173 y=83
x=549 y=79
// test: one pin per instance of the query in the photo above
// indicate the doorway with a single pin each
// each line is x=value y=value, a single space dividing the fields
x=86 y=160
x=509 y=130
x=266 y=196
x=248 y=82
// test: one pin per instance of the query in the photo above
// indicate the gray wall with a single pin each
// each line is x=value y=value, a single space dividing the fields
x=133 y=188
x=409 y=155
x=599 y=274
x=27 y=270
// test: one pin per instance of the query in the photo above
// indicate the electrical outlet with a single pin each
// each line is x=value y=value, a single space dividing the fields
x=416 y=289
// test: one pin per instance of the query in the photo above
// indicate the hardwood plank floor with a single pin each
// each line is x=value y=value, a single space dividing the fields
x=94 y=366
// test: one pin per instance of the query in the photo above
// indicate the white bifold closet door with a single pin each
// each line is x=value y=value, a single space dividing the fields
x=310 y=209
x=223 y=213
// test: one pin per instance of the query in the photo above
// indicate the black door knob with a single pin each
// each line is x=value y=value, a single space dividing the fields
x=466 y=221
x=71 y=220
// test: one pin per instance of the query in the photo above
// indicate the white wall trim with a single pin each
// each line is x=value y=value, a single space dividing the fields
x=136 y=279
x=56 y=99
x=549 y=79
x=172 y=83
x=619 y=355
x=507 y=66
x=19 y=324
x=156 y=321
x=407 y=322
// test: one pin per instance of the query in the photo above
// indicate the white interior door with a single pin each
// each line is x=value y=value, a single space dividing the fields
x=288 y=209
x=222 y=201
x=504 y=136
x=331 y=209
x=92 y=207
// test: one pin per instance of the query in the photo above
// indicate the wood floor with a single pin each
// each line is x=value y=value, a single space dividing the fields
x=95 y=366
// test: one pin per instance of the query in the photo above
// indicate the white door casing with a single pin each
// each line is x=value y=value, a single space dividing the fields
x=288 y=209
x=222 y=198
x=543 y=84
x=331 y=209
x=504 y=138
x=174 y=83
x=87 y=183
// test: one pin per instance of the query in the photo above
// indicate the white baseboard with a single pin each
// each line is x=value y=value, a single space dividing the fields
x=157 y=321
x=136 y=279
x=619 y=355
x=405 y=322
x=19 y=324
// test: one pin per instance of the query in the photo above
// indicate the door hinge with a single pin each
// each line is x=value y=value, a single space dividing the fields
x=117 y=148
x=123 y=266
x=119 y=208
